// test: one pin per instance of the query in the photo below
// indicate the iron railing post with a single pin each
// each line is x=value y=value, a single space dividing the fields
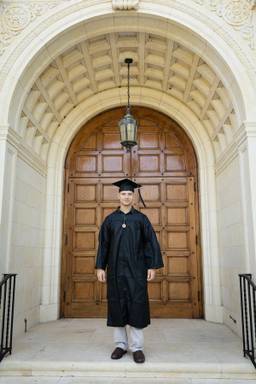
x=7 y=298
x=241 y=281
x=248 y=315
x=12 y=316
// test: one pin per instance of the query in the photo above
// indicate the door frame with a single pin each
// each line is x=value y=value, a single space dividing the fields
x=50 y=294
x=91 y=127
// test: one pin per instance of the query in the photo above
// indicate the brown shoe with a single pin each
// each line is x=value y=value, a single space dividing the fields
x=118 y=353
x=138 y=356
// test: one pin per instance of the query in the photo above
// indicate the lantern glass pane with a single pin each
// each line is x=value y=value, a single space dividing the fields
x=122 y=129
x=130 y=130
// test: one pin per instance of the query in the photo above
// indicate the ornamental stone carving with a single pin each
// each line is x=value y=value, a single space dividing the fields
x=240 y=14
x=125 y=4
x=235 y=12
x=16 y=16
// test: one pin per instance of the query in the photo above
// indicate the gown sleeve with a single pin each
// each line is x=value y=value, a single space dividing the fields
x=152 y=249
x=103 y=246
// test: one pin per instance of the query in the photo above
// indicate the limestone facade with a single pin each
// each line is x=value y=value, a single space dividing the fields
x=61 y=64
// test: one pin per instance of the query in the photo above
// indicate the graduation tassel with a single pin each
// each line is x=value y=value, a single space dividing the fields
x=141 y=198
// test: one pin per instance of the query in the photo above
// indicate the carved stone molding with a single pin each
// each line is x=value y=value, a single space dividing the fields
x=235 y=12
x=125 y=4
x=240 y=14
x=16 y=16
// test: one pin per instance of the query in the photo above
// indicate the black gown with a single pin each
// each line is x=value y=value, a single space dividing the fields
x=128 y=253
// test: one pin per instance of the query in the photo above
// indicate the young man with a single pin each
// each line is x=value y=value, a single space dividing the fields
x=129 y=248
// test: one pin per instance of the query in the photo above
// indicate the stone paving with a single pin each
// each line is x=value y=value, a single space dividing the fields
x=178 y=351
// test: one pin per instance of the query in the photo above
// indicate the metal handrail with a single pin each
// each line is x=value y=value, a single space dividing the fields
x=7 y=298
x=248 y=315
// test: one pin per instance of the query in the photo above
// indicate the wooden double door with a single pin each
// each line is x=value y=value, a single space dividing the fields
x=165 y=164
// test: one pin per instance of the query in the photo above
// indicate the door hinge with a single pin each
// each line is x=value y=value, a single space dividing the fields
x=196 y=239
x=64 y=296
x=68 y=187
x=66 y=238
x=194 y=186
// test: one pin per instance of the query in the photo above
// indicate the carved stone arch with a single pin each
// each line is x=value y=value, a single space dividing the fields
x=55 y=182
x=199 y=28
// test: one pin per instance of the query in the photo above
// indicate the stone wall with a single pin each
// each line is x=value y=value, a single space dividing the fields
x=225 y=32
x=232 y=248
x=27 y=242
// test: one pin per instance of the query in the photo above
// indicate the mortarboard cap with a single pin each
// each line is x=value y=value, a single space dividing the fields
x=128 y=185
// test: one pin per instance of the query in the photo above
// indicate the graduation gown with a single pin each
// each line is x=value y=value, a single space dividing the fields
x=128 y=253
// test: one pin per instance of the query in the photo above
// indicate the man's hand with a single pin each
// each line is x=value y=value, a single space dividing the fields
x=101 y=275
x=151 y=274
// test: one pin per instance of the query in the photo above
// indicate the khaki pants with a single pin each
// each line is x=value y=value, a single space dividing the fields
x=136 y=338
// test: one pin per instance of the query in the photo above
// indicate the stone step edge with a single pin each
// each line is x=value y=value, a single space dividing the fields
x=128 y=369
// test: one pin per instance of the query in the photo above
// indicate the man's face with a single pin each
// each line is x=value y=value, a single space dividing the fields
x=126 y=197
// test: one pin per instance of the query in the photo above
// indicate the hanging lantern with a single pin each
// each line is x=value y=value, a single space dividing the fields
x=128 y=125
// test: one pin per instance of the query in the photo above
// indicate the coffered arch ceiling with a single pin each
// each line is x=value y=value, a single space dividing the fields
x=97 y=64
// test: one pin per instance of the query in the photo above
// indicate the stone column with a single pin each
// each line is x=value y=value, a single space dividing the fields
x=247 y=156
x=8 y=158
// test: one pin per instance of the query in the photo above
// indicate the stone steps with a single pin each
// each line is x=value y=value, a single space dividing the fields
x=77 y=351
x=128 y=370
x=106 y=380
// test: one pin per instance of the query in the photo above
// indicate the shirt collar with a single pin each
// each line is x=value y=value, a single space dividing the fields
x=132 y=210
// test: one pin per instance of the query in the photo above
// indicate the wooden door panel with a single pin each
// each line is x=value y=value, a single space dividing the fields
x=154 y=215
x=90 y=142
x=176 y=192
x=111 y=140
x=85 y=192
x=152 y=192
x=177 y=240
x=85 y=216
x=178 y=265
x=149 y=140
x=83 y=291
x=86 y=164
x=171 y=142
x=83 y=264
x=174 y=163
x=149 y=163
x=112 y=163
x=176 y=215
x=179 y=290
x=164 y=163
x=109 y=193
x=84 y=240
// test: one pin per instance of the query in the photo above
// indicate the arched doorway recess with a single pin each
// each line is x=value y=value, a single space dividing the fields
x=165 y=164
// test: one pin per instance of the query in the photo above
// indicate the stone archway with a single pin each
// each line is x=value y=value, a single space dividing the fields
x=64 y=30
x=55 y=185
